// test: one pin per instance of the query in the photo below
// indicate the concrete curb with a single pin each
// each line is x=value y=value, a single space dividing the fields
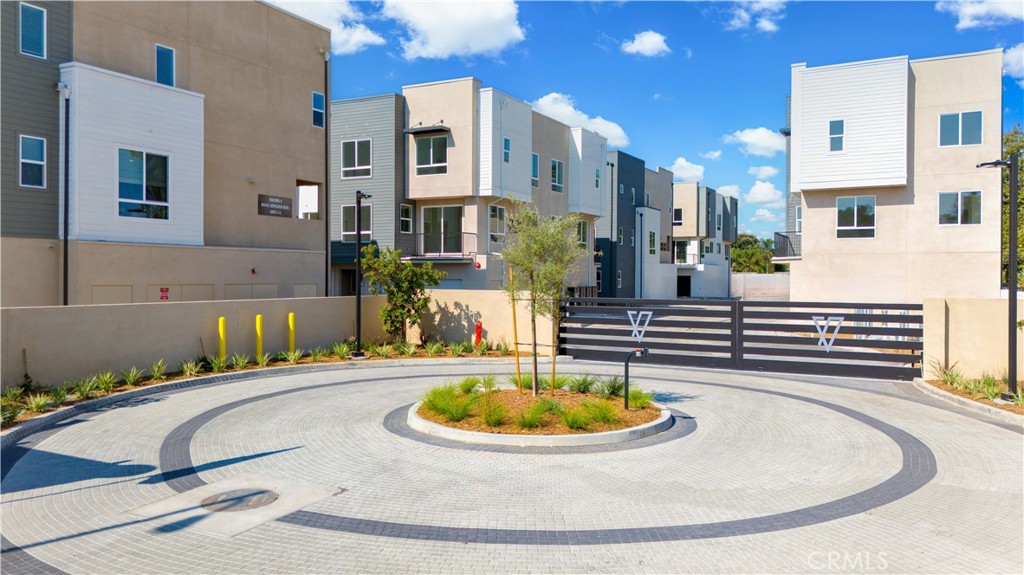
x=26 y=428
x=970 y=405
x=663 y=422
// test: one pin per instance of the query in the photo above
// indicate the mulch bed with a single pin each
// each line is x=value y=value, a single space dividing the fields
x=515 y=404
x=1012 y=408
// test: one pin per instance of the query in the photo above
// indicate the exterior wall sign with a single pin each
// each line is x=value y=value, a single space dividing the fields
x=165 y=293
x=275 y=206
x=823 y=329
x=635 y=318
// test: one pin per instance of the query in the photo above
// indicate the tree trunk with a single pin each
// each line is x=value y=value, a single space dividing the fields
x=533 y=334
x=554 y=351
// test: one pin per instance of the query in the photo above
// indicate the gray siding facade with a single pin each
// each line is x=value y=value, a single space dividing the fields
x=630 y=173
x=30 y=106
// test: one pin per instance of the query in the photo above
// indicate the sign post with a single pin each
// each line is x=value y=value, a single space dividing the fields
x=635 y=319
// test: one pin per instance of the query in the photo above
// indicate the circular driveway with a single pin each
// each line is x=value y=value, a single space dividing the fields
x=761 y=474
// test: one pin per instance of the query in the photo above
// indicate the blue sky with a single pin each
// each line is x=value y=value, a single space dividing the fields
x=697 y=87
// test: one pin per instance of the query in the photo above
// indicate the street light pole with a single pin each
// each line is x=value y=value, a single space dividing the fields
x=360 y=196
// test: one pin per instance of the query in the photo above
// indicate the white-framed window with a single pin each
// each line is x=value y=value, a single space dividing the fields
x=32 y=162
x=164 y=65
x=718 y=246
x=677 y=216
x=597 y=178
x=356 y=158
x=319 y=110
x=535 y=171
x=622 y=189
x=718 y=221
x=582 y=234
x=799 y=220
x=348 y=223
x=836 y=133
x=959 y=208
x=496 y=227
x=405 y=219
x=618 y=278
x=632 y=237
x=557 y=175
x=32 y=30
x=855 y=217
x=652 y=246
x=431 y=155
x=506 y=150
x=620 y=235
x=598 y=277
x=142 y=184
x=960 y=129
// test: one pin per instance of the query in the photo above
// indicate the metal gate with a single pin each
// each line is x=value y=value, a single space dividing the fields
x=882 y=341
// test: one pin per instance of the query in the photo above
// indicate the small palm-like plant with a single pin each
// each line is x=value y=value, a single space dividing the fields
x=291 y=357
x=37 y=402
x=405 y=348
x=460 y=349
x=84 y=388
x=503 y=348
x=489 y=383
x=12 y=395
x=263 y=359
x=342 y=349
x=239 y=361
x=613 y=387
x=582 y=383
x=9 y=412
x=217 y=363
x=639 y=399
x=482 y=348
x=106 y=381
x=381 y=350
x=318 y=354
x=468 y=385
x=132 y=376
x=191 y=368
x=157 y=370
x=434 y=348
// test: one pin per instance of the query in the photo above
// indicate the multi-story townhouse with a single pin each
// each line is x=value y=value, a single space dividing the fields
x=883 y=156
x=617 y=227
x=160 y=152
x=704 y=224
x=443 y=163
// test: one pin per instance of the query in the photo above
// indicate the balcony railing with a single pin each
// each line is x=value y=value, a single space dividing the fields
x=787 y=244
x=686 y=259
x=442 y=245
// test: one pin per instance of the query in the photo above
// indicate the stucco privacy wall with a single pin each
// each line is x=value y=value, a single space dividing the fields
x=972 y=333
x=453 y=314
x=760 y=287
x=64 y=343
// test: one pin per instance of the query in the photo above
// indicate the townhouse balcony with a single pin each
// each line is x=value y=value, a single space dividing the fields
x=457 y=247
x=786 y=245
x=687 y=260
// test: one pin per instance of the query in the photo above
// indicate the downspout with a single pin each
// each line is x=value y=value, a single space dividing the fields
x=641 y=241
x=327 y=173
x=65 y=91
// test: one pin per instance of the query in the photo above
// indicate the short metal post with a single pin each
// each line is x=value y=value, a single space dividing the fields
x=639 y=352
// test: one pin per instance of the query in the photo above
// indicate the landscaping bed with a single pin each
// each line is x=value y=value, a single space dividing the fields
x=985 y=390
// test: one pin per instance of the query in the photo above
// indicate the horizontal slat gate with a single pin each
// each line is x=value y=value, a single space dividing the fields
x=848 y=339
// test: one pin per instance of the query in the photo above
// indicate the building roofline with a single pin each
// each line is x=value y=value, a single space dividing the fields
x=964 y=55
x=294 y=15
x=361 y=98
x=437 y=82
x=852 y=64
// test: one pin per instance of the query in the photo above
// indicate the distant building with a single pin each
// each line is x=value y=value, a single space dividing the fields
x=704 y=224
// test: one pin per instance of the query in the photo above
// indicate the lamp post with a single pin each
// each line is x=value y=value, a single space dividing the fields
x=611 y=221
x=1011 y=272
x=360 y=196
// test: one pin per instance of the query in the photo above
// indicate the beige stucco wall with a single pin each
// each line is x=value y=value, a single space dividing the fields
x=29 y=271
x=551 y=142
x=64 y=343
x=684 y=195
x=455 y=102
x=972 y=333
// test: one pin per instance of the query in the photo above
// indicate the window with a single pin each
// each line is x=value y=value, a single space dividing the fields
x=718 y=220
x=405 y=218
x=960 y=129
x=618 y=278
x=648 y=204
x=142 y=185
x=632 y=196
x=319 y=109
x=799 y=220
x=620 y=235
x=33 y=31
x=164 y=65
x=535 y=171
x=506 y=150
x=632 y=237
x=708 y=246
x=356 y=159
x=442 y=230
x=718 y=246
x=651 y=244
x=598 y=276
x=621 y=188
x=836 y=131
x=680 y=250
x=597 y=178
x=581 y=234
x=348 y=223
x=33 y=162
x=307 y=197
x=959 y=208
x=556 y=175
x=432 y=155
x=855 y=217
x=677 y=216
x=496 y=226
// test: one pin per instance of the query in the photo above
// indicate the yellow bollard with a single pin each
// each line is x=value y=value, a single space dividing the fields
x=259 y=335
x=291 y=332
x=515 y=336
x=222 y=329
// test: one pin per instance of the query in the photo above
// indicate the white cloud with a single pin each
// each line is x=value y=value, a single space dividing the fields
x=730 y=191
x=713 y=155
x=764 y=14
x=688 y=51
x=744 y=228
x=757 y=141
x=765 y=193
x=685 y=171
x=648 y=43
x=657 y=96
x=562 y=108
x=1013 y=63
x=763 y=215
x=348 y=35
x=982 y=13
x=763 y=172
x=446 y=29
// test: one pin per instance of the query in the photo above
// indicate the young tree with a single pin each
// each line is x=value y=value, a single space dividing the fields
x=404 y=284
x=1013 y=143
x=521 y=254
x=562 y=252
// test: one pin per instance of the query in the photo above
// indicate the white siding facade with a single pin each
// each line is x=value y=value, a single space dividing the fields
x=503 y=117
x=110 y=111
x=871 y=98
x=586 y=155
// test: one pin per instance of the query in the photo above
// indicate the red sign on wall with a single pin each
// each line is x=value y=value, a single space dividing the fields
x=165 y=293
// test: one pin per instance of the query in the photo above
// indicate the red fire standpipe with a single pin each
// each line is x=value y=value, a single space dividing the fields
x=479 y=331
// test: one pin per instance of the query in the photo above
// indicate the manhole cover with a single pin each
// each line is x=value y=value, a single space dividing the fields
x=239 y=500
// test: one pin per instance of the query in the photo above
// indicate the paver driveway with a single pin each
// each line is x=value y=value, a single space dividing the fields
x=760 y=474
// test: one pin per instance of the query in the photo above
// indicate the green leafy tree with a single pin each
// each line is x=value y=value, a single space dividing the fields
x=1013 y=143
x=751 y=255
x=562 y=253
x=404 y=284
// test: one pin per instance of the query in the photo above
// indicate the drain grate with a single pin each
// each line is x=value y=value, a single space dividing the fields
x=239 y=500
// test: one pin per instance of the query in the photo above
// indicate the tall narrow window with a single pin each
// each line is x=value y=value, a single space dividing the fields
x=677 y=216
x=32 y=162
x=597 y=276
x=556 y=175
x=581 y=234
x=620 y=235
x=506 y=150
x=405 y=218
x=799 y=220
x=836 y=132
x=621 y=188
x=356 y=159
x=597 y=178
x=632 y=196
x=319 y=110
x=535 y=171
x=651 y=244
x=348 y=223
x=32 y=30
x=164 y=65
x=648 y=198
x=855 y=217
x=959 y=208
x=496 y=228
x=632 y=237
x=718 y=221
x=432 y=155
x=960 y=129
x=618 y=278
x=142 y=185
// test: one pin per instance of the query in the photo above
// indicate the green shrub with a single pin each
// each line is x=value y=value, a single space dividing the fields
x=991 y=387
x=59 y=395
x=263 y=359
x=950 y=376
x=489 y=383
x=482 y=348
x=38 y=402
x=1018 y=398
x=460 y=349
x=532 y=418
x=468 y=385
x=342 y=349
x=494 y=414
x=527 y=380
x=575 y=418
x=381 y=350
x=434 y=348
x=503 y=348
x=613 y=387
x=12 y=395
x=239 y=361
x=191 y=368
x=582 y=383
x=157 y=370
x=132 y=376
x=318 y=354
x=291 y=357
x=549 y=405
x=9 y=412
x=217 y=363
x=639 y=399
x=405 y=348
x=561 y=382
x=84 y=388
x=601 y=411
x=448 y=403
x=106 y=381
